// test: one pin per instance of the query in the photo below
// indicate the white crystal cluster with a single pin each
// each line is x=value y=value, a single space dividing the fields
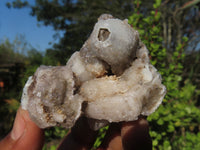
x=109 y=80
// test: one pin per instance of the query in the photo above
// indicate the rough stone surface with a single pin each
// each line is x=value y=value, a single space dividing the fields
x=109 y=80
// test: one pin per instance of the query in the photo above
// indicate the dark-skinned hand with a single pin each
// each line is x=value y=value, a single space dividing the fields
x=25 y=135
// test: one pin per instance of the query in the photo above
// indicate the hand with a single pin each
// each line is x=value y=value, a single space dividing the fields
x=120 y=136
x=24 y=135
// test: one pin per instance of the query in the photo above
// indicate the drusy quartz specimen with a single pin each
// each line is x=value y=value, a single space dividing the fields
x=109 y=80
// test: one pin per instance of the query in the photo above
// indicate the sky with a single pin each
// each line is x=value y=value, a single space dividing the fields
x=15 y=22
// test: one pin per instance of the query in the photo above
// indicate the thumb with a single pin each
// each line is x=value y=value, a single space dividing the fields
x=24 y=135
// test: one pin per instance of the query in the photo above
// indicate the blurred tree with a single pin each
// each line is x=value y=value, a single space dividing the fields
x=179 y=18
x=35 y=57
x=75 y=17
x=7 y=53
x=11 y=67
x=18 y=60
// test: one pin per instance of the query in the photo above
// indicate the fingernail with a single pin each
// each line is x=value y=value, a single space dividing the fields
x=19 y=127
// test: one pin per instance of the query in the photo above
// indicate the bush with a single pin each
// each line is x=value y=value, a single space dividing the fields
x=175 y=125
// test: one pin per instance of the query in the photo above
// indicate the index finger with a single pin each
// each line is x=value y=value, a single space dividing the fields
x=80 y=137
x=135 y=135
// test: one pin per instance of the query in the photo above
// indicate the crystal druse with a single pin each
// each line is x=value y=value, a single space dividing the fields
x=109 y=80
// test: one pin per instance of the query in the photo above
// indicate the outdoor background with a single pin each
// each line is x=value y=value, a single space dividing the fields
x=169 y=28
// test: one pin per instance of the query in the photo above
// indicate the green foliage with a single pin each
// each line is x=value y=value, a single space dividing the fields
x=100 y=137
x=176 y=122
x=30 y=70
x=53 y=137
x=8 y=54
x=35 y=57
x=188 y=142
x=192 y=68
x=149 y=29
x=52 y=57
x=17 y=4
x=170 y=122
x=52 y=147
x=56 y=132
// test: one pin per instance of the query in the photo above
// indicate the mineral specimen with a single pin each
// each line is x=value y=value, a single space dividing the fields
x=109 y=80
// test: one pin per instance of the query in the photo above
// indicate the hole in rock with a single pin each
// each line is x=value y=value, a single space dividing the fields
x=103 y=34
